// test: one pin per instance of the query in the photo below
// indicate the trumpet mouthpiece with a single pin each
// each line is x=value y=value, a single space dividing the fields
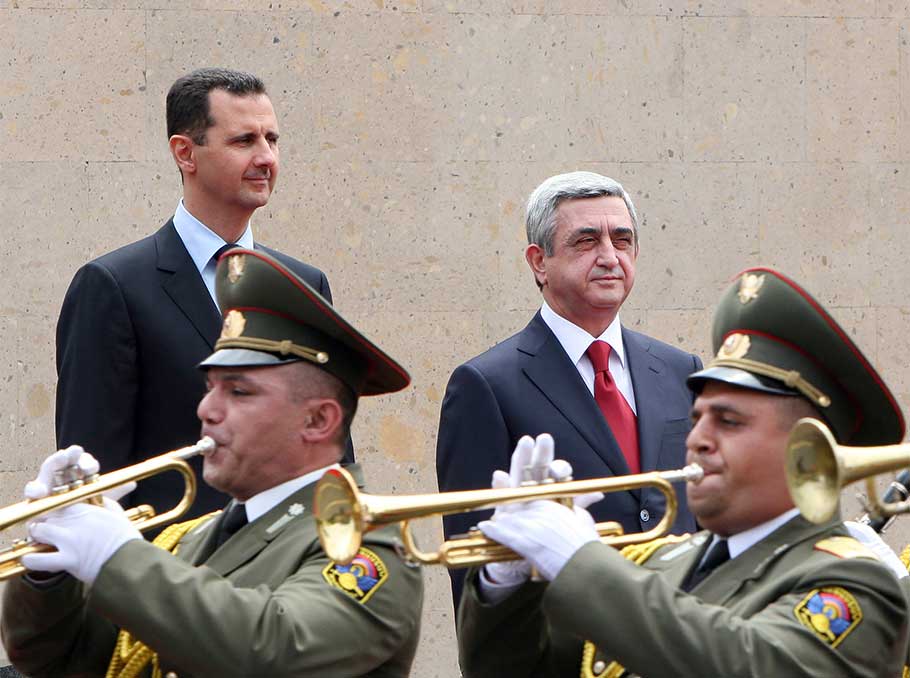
x=693 y=473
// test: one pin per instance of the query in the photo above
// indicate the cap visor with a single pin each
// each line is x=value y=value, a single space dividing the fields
x=243 y=357
x=740 y=379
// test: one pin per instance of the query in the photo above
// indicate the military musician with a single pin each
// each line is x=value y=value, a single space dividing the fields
x=760 y=591
x=247 y=592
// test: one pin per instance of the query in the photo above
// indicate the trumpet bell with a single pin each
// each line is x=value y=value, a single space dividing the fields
x=818 y=468
x=814 y=474
x=339 y=517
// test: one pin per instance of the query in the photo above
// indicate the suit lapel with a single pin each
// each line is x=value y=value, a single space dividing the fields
x=754 y=561
x=246 y=544
x=647 y=383
x=551 y=371
x=184 y=284
x=679 y=560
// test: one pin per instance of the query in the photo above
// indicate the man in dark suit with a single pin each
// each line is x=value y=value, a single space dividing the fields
x=614 y=400
x=135 y=322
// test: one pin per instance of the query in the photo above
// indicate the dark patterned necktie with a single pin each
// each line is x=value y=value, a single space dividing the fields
x=717 y=556
x=233 y=520
x=221 y=250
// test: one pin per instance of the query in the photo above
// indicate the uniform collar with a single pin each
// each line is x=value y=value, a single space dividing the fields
x=260 y=504
x=742 y=541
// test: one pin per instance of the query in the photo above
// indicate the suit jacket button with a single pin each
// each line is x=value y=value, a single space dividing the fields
x=644 y=515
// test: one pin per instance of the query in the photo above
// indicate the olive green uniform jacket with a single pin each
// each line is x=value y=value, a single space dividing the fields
x=260 y=607
x=740 y=621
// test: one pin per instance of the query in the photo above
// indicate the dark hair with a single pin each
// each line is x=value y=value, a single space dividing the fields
x=188 y=99
x=309 y=381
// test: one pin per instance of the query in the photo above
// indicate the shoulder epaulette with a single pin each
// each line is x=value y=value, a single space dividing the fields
x=845 y=547
x=639 y=553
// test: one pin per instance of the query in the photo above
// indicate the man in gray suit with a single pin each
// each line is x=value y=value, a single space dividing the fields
x=250 y=591
x=615 y=400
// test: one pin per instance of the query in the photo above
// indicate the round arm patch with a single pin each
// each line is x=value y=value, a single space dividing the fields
x=831 y=613
x=361 y=578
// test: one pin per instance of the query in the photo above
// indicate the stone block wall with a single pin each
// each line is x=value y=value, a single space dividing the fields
x=747 y=131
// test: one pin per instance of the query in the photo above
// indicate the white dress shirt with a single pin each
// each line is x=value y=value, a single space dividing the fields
x=202 y=243
x=260 y=504
x=575 y=342
x=738 y=543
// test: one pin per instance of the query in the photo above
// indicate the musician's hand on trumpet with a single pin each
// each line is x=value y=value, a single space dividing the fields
x=529 y=454
x=65 y=466
x=85 y=535
x=532 y=462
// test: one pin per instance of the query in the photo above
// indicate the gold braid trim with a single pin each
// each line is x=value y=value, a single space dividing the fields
x=791 y=378
x=132 y=656
x=638 y=554
x=905 y=556
x=284 y=347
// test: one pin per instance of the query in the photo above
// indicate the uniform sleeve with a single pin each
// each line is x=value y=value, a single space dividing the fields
x=96 y=368
x=205 y=625
x=507 y=639
x=662 y=630
x=48 y=633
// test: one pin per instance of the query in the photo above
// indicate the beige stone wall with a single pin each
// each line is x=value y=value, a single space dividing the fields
x=747 y=131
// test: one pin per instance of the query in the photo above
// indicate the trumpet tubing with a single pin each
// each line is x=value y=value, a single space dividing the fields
x=143 y=517
x=818 y=468
x=344 y=514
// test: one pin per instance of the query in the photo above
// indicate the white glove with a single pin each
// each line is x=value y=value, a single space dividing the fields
x=85 y=537
x=528 y=453
x=546 y=533
x=535 y=454
x=73 y=455
x=869 y=537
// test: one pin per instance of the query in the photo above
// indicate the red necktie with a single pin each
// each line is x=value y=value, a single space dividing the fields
x=616 y=410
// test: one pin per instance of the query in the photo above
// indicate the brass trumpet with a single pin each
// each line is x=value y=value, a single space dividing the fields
x=344 y=514
x=818 y=468
x=91 y=489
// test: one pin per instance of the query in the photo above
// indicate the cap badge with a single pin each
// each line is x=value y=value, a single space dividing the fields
x=234 y=322
x=734 y=347
x=236 y=264
x=749 y=285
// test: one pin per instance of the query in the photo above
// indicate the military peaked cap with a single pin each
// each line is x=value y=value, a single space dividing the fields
x=272 y=317
x=770 y=335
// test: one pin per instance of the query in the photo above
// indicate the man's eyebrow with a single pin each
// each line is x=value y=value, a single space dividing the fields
x=234 y=377
x=622 y=230
x=241 y=136
x=716 y=409
x=583 y=230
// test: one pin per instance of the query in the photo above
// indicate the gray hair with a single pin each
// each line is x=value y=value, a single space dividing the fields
x=541 y=211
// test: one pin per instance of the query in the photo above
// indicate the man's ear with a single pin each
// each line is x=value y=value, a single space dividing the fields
x=321 y=421
x=536 y=259
x=183 y=151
